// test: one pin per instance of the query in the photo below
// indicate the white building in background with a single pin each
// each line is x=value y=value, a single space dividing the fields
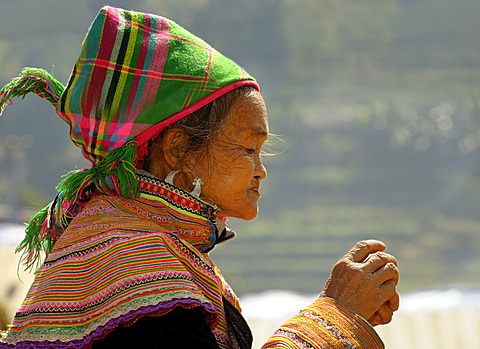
x=447 y=318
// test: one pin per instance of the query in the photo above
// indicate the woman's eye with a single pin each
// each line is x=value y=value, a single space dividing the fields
x=247 y=150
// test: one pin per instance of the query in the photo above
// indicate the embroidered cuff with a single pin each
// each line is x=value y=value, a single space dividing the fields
x=325 y=324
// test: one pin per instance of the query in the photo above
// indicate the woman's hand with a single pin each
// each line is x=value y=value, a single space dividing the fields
x=365 y=281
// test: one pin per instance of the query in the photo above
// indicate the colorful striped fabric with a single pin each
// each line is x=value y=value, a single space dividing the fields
x=121 y=259
x=138 y=73
x=325 y=324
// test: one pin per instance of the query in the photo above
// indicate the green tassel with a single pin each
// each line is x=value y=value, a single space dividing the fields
x=115 y=175
x=124 y=169
x=35 y=80
x=35 y=242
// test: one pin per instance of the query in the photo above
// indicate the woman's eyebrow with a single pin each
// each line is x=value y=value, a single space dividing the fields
x=256 y=131
x=260 y=131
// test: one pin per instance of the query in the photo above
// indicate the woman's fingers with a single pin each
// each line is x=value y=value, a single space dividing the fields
x=365 y=280
x=387 y=272
x=382 y=265
x=385 y=313
x=363 y=249
x=378 y=259
x=382 y=316
x=394 y=302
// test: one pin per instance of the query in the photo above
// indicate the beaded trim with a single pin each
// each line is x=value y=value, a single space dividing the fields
x=175 y=196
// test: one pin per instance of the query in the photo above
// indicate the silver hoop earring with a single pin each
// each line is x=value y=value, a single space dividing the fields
x=197 y=182
x=197 y=185
x=169 y=178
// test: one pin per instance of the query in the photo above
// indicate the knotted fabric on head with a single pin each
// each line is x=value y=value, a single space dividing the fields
x=137 y=73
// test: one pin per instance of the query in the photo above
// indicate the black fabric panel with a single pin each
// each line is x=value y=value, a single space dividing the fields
x=181 y=328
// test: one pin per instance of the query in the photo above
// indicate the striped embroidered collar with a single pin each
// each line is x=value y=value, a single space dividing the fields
x=154 y=187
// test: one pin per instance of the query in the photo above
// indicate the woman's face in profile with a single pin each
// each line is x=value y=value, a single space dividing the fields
x=233 y=169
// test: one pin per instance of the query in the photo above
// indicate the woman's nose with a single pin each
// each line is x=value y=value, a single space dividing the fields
x=260 y=170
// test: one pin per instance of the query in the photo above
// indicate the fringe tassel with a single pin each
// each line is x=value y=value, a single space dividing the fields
x=114 y=175
x=35 y=80
x=34 y=241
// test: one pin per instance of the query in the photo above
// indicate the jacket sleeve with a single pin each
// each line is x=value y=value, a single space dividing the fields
x=325 y=324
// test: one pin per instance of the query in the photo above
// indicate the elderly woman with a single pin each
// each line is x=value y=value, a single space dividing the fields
x=174 y=131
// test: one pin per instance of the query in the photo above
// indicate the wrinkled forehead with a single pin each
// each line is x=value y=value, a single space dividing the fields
x=248 y=117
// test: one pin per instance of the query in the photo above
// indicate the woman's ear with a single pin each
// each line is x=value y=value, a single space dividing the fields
x=166 y=154
x=173 y=147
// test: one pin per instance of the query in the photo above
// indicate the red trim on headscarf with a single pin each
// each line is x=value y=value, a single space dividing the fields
x=153 y=131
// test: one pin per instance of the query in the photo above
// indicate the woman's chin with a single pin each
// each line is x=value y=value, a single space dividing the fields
x=246 y=215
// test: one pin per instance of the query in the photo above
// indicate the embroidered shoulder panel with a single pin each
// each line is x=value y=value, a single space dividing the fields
x=119 y=260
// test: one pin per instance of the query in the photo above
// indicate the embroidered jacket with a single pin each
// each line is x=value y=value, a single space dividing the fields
x=121 y=259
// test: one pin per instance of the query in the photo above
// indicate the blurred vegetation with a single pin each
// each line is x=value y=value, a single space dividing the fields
x=378 y=104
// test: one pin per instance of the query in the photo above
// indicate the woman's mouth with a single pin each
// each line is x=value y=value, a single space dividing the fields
x=256 y=190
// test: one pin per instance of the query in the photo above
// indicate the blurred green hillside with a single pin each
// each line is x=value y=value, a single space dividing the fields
x=377 y=104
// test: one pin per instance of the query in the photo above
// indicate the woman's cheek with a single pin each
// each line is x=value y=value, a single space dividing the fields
x=239 y=164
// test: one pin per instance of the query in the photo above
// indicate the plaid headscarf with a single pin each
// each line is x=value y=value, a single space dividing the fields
x=137 y=74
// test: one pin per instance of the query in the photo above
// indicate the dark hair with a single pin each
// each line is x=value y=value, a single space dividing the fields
x=203 y=123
